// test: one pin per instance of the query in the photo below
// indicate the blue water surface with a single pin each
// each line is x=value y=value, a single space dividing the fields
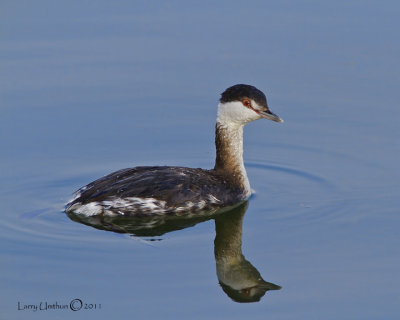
x=89 y=87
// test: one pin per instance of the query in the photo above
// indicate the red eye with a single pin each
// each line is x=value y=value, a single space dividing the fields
x=246 y=103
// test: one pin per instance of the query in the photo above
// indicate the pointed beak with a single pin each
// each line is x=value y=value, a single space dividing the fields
x=269 y=286
x=267 y=114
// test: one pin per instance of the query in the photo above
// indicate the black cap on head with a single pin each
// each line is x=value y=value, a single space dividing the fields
x=239 y=92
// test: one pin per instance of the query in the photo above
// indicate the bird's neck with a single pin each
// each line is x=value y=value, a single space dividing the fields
x=229 y=159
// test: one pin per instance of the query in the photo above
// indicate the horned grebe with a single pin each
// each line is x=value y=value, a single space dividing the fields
x=173 y=190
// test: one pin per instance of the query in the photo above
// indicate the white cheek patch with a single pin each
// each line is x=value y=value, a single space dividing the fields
x=235 y=112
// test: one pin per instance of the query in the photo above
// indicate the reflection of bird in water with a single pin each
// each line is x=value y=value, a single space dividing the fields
x=239 y=279
x=147 y=191
x=149 y=226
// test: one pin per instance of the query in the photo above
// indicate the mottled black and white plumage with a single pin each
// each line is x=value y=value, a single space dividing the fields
x=170 y=190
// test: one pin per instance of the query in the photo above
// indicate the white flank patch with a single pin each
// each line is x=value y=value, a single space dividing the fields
x=133 y=205
x=120 y=206
x=201 y=204
x=89 y=209
x=213 y=199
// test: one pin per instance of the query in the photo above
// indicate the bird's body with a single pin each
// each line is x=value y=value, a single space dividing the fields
x=136 y=191
x=168 y=190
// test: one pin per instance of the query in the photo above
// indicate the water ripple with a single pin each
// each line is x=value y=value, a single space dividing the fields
x=292 y=171
x=286 y=194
